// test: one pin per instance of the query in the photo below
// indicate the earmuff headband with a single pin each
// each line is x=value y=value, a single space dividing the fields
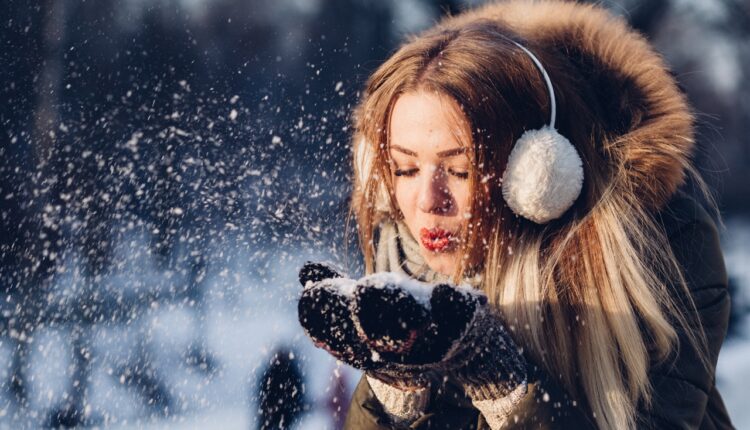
x=547 y=80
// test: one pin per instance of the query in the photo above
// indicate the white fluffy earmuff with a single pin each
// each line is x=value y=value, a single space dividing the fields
x=544 y=173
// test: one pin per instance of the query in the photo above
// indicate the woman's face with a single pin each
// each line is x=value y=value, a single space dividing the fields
x=429 y=153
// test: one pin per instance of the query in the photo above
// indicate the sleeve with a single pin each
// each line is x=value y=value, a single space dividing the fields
x=446 y=411
x=682 y=385
x=547 y=406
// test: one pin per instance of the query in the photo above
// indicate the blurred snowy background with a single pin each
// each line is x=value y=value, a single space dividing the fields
x=167 y=165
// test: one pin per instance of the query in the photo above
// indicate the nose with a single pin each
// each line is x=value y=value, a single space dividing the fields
x=434 y=195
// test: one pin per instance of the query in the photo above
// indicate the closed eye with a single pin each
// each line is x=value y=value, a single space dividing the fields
x=413 y=171
x=406 y=172
x=459 y=173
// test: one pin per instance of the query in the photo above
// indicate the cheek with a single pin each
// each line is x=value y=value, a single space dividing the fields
x=405 y=197
x=462 y=195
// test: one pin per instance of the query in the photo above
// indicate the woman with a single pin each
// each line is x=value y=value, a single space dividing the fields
x=536 y=151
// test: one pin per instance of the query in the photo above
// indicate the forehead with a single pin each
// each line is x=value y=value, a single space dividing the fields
x=427 y=122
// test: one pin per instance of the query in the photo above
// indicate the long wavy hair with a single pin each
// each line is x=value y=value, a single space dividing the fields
x=586 y=295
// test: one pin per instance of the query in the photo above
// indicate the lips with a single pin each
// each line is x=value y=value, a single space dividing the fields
x=436 y=239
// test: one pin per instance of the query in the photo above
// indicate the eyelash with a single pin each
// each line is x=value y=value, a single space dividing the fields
x=409 y=172
x=412 y=172
x=461 y=175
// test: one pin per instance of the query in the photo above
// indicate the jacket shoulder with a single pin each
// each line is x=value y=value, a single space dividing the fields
x=694 y=238
x=685 y=394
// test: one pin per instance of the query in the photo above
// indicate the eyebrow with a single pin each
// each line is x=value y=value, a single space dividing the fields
x=442 y=154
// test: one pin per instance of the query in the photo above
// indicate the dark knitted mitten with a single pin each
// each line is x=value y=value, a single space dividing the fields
x=483 y=357
x=463 y=337
x=446 y=328
x=400 y=330
x=325 y=313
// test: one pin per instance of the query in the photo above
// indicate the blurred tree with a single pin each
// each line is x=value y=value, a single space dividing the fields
x=32 y=38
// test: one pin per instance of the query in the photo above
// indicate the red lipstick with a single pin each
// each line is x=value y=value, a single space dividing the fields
x=436 y=239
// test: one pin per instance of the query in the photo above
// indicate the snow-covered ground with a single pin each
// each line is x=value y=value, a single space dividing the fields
x=733 y=374
x=733 y=370
x=243 y=320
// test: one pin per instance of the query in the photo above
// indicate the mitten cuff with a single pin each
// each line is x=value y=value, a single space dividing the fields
x=401 y=405
x=492 y=391
x=498 y=410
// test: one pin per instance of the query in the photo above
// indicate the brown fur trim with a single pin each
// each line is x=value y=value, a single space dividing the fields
x=651 y=124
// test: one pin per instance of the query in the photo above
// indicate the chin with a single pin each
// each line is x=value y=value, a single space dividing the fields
x=444 y=264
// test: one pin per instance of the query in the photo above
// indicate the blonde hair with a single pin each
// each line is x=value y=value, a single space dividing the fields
x=586 y=295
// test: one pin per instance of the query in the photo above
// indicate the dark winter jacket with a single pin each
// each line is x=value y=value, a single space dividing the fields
x=685 y=394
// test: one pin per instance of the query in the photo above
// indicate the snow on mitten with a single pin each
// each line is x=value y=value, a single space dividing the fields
x=314 y=272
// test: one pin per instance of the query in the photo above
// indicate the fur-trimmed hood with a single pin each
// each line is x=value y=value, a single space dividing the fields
x=647 y=113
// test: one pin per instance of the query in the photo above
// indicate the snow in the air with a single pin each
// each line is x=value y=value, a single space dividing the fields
x=168 y=166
